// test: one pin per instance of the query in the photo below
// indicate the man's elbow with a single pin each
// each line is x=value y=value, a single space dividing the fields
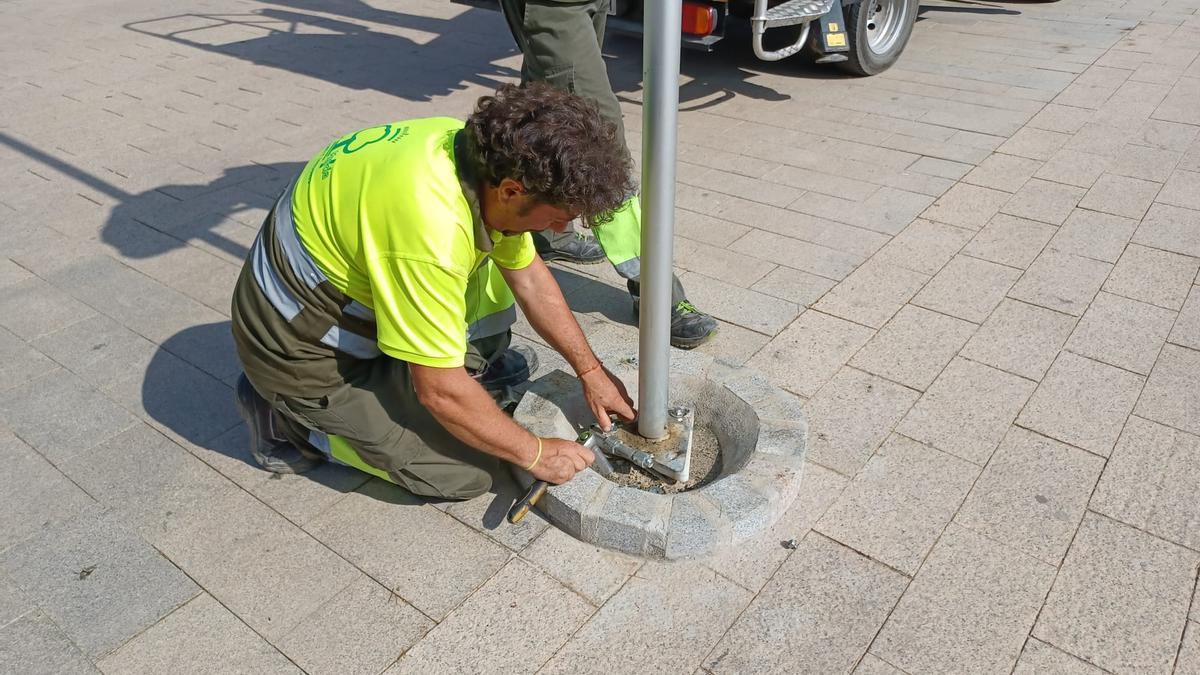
x=435 y=390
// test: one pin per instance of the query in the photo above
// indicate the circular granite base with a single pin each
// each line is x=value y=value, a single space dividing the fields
x=762 y=436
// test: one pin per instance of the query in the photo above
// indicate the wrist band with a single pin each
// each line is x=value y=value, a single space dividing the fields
x=539 y=455
x=599 y=364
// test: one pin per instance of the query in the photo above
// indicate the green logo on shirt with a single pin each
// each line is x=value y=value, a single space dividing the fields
x=352 y=144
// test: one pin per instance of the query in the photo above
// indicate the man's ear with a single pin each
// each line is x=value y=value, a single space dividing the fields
x=509 y=189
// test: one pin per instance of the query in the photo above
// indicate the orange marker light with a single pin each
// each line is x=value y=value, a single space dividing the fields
x=699 y=19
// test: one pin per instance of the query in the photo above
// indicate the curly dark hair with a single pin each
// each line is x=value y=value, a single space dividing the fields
x=554 y=143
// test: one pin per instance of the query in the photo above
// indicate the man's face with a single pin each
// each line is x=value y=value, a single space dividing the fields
x=514 y=212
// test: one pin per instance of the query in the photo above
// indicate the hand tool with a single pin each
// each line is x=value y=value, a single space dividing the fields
x=589 y=439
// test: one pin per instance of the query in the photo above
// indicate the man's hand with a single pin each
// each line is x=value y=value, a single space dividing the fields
x=605 y=394
x=561 y=460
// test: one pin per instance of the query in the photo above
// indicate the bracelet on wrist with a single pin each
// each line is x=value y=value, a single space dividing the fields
x=585 y=371
x=539 y=455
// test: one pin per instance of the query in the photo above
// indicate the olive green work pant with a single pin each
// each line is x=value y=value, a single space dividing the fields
x=377 y=414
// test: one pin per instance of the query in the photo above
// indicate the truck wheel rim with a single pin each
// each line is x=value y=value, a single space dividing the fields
x=885 y=23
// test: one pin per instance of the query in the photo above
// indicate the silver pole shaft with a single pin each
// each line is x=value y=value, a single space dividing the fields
x=660 y=114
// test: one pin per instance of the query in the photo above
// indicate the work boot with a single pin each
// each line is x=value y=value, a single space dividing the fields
x=572 y=246
x=690 y=327
x=514 y=366
x=268 y=446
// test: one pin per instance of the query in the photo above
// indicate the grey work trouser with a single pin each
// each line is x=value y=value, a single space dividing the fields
x=377 y=413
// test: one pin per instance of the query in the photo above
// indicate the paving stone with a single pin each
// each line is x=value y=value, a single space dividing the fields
x=11 y=273
x=60 y=416
x=1010 y=241
x=967 y=288
x=793 y=285
x=299 y=498
x=154 y=503
x=967 y=410
x=179 y=399
x=1003 y=172
x=739 y=306
x=199 y=637
x=924 y=246
x=20 y=363
x=1096 y=235
x=850 y=416
x=515 y=622
x=1188 y=662
x=1061 y=281
x=1034 y=143
x=1172 y=394
x=98 y=349
x=1039 y=657
x=798 y=254
x=821 y=609
x=1187 y=327
x=374 y=528
x=940 y=167
x=1120 y=196
x=135 y=300
x=129 y=585
x=810 y=351
x=1122 y=332
x=33 y=645
x=1097 y=139
x=703 y=601
x=969 y=610
x=33 y=494
x=1165 y=135
x=1158 y=277
x=1019 y=338
x=1032 y=494
x=1120 y=599
x=1082 y=402
x=1181 y=189
x=896 y=507
x=1044 y=201
x=363 y=629
x=1170 y=228
x=720 y=263
x=1140 y=161
x=1055 y=117
x=33 y=307
x=592 y=572
x=968 y=206
x=752 y=562
x=1072 y=167
x=254 y=562
x=914 y=347
x=872 y=294
x=873 y=665
x=1152 y=482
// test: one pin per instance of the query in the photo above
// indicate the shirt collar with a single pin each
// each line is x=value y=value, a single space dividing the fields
x=467 y=178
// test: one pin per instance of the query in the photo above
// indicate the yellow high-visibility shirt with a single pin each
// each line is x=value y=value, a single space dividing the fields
x=382 y=213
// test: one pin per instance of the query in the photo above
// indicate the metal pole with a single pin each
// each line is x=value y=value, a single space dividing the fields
x=660 y=112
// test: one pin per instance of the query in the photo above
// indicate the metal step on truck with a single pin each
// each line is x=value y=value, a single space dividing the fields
x=863 y=37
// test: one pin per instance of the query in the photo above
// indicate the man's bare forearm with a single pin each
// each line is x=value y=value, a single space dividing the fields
x=466 y=410
x=546 y=309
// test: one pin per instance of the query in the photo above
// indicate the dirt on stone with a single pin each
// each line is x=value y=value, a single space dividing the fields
x=706 y=463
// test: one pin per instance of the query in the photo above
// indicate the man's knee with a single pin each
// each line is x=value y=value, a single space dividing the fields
x=457 y=482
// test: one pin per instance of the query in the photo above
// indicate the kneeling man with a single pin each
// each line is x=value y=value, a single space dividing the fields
x=373 y=312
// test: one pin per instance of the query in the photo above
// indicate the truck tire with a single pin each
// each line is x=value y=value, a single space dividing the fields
x=878 y=32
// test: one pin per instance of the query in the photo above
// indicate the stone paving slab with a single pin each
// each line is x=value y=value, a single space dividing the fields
x=34 y=644
x=1120 y=599
x=822 y=609
x=98 y=582
x=197 y=638
x=969 y=610
x=896 y=507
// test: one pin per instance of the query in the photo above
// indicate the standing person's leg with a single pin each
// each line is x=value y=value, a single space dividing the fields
x=561 y=43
